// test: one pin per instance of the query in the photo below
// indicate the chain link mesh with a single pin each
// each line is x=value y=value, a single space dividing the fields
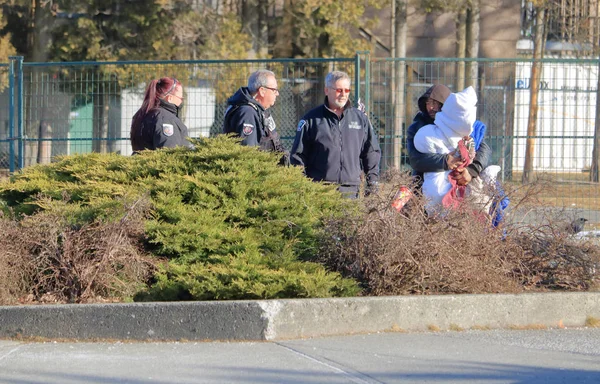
x=82 y=107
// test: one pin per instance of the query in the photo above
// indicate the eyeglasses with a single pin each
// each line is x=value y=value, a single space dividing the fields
x=275 y=90
x=342 y=90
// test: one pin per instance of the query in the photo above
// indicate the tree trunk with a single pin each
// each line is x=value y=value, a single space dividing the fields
x=534 y=89
x=399 y=79
x=473 y=19
x=262 y=38
x=595 y=163
x=44 y=154
x=101 y=109
x=38 y=42
x=254 y=21
x=285 y=36
x=43 y=22
x=461 y=43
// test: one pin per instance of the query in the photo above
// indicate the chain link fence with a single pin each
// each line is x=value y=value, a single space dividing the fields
x=52 y=109
x=561 y=145
x=73 y=108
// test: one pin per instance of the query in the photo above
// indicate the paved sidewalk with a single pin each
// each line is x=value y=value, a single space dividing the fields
x=499 y=356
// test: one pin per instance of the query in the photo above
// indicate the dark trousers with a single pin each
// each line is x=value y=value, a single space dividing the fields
x=349 y=191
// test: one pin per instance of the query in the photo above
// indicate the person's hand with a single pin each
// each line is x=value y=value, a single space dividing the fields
x=462 y=176
x=452 y=161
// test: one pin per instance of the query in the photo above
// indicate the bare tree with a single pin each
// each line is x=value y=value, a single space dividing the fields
x=461 y=47
x=534 y=88
x=255 y=24
x=472 y=45
x=595 y=34
x=399 y=29
x=595 y=163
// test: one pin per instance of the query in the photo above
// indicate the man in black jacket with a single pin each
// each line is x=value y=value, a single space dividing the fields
x=335 y=142
x=431 y=103
x=248 y=114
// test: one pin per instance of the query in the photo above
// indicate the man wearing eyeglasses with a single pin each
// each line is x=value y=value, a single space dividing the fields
x=248 y=115
x=335 y=142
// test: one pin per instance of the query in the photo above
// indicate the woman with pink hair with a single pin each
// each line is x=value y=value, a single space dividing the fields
x=156 y=124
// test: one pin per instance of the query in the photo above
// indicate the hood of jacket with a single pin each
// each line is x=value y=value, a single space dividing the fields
x=438 y=92
x=243 y=97
x=458 y=113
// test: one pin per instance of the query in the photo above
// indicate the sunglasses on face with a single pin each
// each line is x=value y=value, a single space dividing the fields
x=342 y=90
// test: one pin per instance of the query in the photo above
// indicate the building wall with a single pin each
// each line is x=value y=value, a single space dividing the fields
x=434 y=34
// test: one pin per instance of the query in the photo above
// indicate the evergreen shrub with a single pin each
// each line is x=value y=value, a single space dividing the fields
x=231 y=222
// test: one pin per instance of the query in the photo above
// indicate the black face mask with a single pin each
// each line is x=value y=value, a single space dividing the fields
x=178 y=108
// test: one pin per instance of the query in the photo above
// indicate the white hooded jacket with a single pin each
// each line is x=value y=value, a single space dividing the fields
x=451 y=124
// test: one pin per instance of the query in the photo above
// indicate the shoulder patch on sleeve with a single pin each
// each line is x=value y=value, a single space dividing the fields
x=247 y=129
x=168 y=129
x=301 y=125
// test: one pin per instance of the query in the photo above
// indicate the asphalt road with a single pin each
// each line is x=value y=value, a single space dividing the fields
x=498 y=356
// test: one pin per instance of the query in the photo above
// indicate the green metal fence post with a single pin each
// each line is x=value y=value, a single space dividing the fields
x=357 y=76
x=367 y=79
x=15 y=70
x=20 y=135
x=11 y=114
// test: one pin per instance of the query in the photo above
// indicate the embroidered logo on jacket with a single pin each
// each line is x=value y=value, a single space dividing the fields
x=354 y=125
x=248 y=129
x=301 y=125
x=168 y=129
x=270 y=123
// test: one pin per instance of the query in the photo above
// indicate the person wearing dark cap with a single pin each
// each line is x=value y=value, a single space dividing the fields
x=430 y=103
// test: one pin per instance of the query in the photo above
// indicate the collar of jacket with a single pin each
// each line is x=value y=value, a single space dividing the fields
x=243 y=97
x=169 y=107
x=424 y=118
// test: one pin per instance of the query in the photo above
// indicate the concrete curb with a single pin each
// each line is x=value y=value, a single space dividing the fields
x=296 y=318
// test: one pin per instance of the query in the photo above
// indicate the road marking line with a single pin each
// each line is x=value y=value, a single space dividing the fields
x=2 y=357
x=355 y=377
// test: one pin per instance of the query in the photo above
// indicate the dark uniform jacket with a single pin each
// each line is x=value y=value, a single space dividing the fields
x=430 y=162
x=249 y=120
x=162 y=128
x=336 y=149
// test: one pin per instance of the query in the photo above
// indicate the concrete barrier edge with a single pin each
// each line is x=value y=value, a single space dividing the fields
x=296 y=318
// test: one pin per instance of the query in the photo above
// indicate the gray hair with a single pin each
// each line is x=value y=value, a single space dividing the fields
x=333 y=77
x=259 y=79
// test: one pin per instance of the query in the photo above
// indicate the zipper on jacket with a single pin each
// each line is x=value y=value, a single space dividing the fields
x=341 y=151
